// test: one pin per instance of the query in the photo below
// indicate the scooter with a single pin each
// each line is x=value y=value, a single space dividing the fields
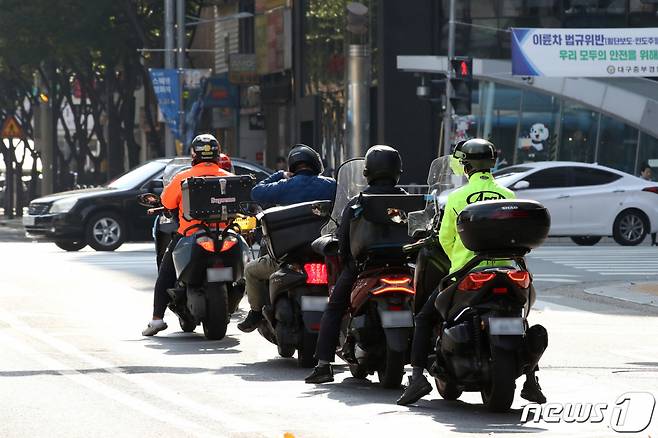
x=376 y=332
x=485 y=343
x=209 y=263
x=298 y=289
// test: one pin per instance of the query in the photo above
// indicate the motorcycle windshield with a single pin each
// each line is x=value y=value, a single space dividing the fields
x=349 y=183
x=441 y=180
x=176 y=165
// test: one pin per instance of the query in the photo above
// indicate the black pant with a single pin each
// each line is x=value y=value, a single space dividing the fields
x=426 y=319
x=333 y=314
x=166 y=279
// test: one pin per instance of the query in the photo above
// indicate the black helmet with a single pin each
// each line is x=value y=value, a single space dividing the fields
x=205 y=147
x=382 y=163
x=301 y=153
x=475 y=154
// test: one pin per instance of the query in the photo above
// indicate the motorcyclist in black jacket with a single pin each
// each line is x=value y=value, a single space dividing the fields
x=383 y=167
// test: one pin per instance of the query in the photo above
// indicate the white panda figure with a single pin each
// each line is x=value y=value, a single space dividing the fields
x=538 y=135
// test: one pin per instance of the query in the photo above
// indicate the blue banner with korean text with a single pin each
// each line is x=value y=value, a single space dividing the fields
x=166 y=85
x=617 y=52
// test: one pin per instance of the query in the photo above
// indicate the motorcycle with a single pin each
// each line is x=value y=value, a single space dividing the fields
x=298 y=289
x=376 y=332
x=209 y=262
x=484 y=343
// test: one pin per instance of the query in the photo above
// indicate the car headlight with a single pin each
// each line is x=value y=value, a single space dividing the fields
x=63 y=205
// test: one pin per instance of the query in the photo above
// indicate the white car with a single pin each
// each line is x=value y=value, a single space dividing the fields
x=587 y=201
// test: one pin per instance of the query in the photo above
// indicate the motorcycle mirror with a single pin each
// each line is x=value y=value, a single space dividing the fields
x=520 y=185
x=397 y=216
x=251 y=208
x=321 y=209
x=150 y=200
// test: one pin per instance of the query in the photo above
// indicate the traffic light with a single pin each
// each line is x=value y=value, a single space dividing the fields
x=462 y=84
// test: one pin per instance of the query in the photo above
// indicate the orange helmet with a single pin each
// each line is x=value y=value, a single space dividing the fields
x=225 y=162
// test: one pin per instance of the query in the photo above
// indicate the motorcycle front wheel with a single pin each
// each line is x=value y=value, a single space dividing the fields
x=217 y=317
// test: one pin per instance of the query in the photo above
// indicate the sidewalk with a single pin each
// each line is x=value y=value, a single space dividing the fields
x=13 y=224
x=645 y=293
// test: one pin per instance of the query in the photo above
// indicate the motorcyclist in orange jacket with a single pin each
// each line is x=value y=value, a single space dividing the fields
x=206 y=161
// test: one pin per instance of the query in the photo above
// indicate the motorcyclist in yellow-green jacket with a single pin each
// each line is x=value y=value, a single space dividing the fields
x=475 y=158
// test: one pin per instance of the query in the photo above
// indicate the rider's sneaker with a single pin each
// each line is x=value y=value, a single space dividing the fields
x=532 y=391
x=417 y=389
x=321 y=374
x=155 y=326
x=251 y=322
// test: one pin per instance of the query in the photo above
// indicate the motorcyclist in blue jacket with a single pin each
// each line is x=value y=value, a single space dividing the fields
x=301 y=183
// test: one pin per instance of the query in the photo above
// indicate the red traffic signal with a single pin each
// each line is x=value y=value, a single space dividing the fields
x=462 y=67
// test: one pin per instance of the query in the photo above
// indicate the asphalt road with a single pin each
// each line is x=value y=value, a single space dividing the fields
x=74 y=364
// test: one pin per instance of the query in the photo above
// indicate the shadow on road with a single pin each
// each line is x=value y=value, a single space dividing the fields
x=191 y=343
x=278 y=369
x=459 y=416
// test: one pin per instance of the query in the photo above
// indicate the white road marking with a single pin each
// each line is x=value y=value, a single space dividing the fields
x=227 y=421
x=106 y=390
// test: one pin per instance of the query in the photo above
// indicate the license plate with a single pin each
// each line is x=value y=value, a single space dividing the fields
x=398 y=318
x=28 y=220
x=216 y=275
x=314 y=304
x=506 y=326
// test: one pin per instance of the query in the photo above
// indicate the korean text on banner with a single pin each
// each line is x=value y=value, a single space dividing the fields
x=614 y=52
x=166 y=85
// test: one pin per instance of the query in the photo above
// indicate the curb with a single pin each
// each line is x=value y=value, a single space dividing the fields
x=623 y=292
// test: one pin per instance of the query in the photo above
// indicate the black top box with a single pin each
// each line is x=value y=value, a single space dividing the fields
x=503 y=225
x=292 y=227
x=215 y=198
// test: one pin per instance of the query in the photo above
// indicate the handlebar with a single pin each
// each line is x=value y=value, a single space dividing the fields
x=417 y=246
x=158 y=210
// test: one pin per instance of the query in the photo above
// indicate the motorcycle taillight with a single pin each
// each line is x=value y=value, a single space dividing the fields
x=475 y=280
x=316 y=273
x=520 y=278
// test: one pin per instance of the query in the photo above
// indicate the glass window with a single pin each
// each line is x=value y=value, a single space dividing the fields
x=587 y=176
x=648 y=154
x=512 y=170
x=538 y=130
x=617 y=144
x=578 y=138
x=549 y=178
x=499 y=116
x=137 y=176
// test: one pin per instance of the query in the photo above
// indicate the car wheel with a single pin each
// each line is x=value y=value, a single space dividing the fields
x=105 y=231
x=629 y=228
x=586 y=240
x=71 y=245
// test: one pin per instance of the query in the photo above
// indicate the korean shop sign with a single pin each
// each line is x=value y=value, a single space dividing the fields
x=585 y=52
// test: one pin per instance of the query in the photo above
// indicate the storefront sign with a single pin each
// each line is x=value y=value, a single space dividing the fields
x=166 y=86
x=220 y=92
x=585 y=52
x=242 y=68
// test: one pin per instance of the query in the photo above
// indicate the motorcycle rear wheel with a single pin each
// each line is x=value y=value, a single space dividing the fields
x=392 y=370
x=447 y=390
x=306 y=351
x=498 y=394
x=217 y=317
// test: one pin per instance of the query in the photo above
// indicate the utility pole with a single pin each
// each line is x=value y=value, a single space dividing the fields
x=447 y=115
x=170 y=150
x=357 y=83
x=181 y=44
